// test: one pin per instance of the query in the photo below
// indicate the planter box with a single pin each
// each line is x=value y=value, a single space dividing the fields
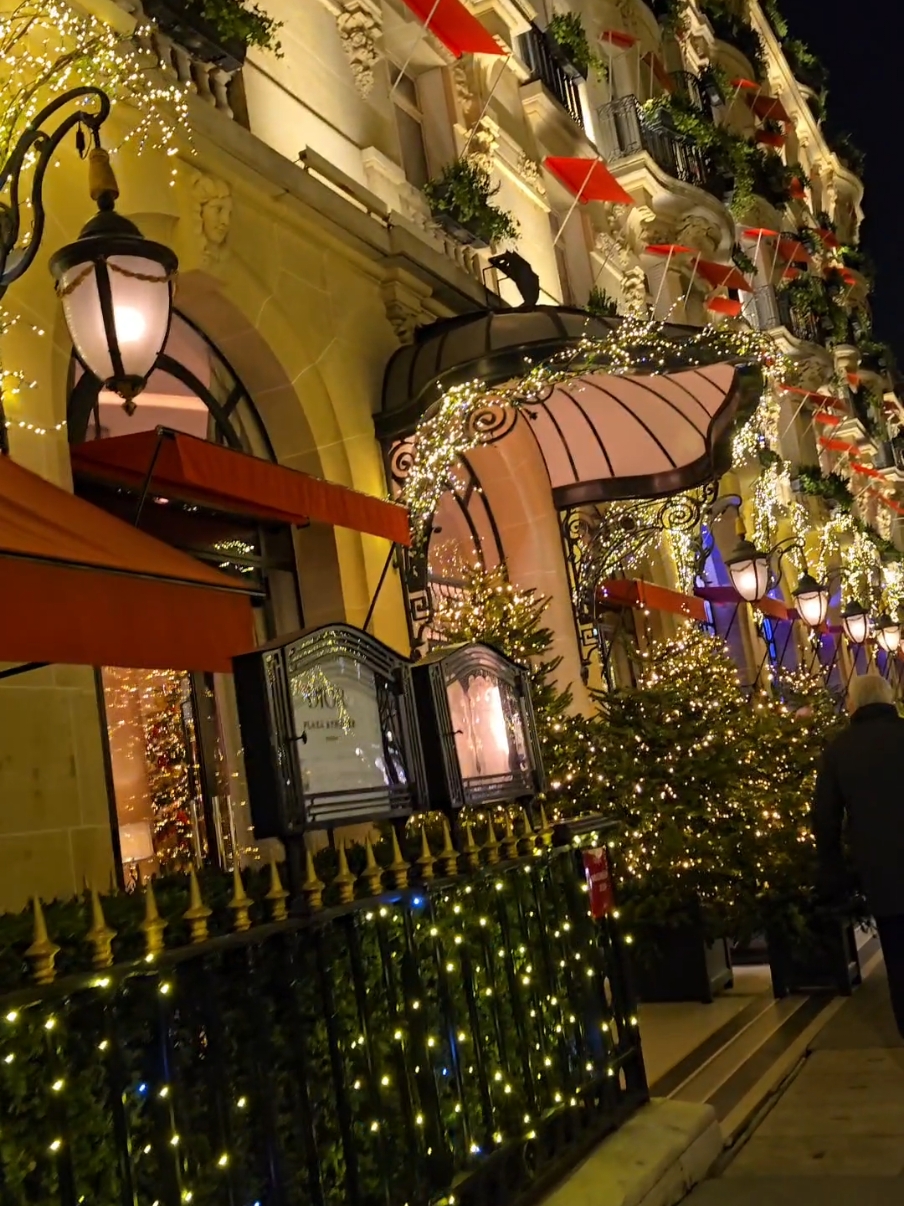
x=560 y=54
x=181 y=20
x=754 y=953
x=825 y=960
x=457 y=231
x=677 y=964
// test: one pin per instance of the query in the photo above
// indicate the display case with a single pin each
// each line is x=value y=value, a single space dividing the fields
x=478 y=730
x=327 y=720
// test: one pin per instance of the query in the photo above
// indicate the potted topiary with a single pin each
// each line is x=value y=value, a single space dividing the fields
x=217 y=31
x=460 y=202
x=567 y=40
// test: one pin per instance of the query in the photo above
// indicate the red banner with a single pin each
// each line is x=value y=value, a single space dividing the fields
x=599 y=883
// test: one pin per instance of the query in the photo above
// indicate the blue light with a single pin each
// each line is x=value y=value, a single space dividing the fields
x=417 y=901
x=142 y=1088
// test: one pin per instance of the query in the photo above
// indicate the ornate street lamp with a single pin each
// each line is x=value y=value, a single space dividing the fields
x=749 y=571
x=855 y=622
x=811 y=600
x=116 y=286
x=888 y=633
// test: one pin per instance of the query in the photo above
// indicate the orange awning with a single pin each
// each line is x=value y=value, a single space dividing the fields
x=82 y=587
x=193 y=470
x=455 y=26
x=724 y=305
x=634 y=592
x=722 y=275
x=588 y=179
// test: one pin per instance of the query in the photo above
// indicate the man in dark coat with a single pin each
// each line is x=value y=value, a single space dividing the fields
x=861 y=780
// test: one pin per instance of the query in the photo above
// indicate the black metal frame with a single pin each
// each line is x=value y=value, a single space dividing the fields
x=447 y=789
x=279 y=805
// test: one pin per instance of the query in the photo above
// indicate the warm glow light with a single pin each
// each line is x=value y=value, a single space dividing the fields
x=855 y=622
x=812 y=601
x=130 y=324
x=888 y=634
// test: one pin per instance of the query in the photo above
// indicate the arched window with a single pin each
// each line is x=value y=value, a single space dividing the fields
x=176 y=775
x=192 y=389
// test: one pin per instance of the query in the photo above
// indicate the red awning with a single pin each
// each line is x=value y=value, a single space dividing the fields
x=667 y=249
x=768 y=108
x=455 y=26
x=588 y=180
x=193 y=470
x=81 y=587
x=760 y=232
x=774 y=608
x=793 y=251
x=634 y=592
x=724 y=305
x=746 y=85
x=722 y=275
x=769 y=138
x=618 y=37
x=811 y=395
x=825 y=419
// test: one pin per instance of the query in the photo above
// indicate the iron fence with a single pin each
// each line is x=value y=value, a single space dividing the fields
x=458 y=1042
x=545 y=65
x=625 y=131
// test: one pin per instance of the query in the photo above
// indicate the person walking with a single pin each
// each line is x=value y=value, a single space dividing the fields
x=861 y=781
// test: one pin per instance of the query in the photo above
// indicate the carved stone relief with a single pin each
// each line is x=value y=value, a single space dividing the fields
x=360 y=25
x=212 y=215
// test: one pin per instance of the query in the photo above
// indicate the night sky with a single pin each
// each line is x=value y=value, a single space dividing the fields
x=862 y=46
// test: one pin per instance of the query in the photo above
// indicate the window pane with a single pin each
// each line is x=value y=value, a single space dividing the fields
x=411 y=140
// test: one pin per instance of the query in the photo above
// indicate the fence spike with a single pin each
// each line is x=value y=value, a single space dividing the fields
x=277 y=896
x=240 y=903
x=153 y=924
x=510 y=841
x=529 y=839
x=100 y=935
x=312 y=886
x=448 y=856
x=345 y=880
x=426 y=859
x=373 y=872
x=491 y=846
x=469 y=847
x=197 y=912
x=546 y=830
x=398 y=868
x=42 y=951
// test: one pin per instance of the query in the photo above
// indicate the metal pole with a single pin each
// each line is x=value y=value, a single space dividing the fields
x=486 y=103
x=373 y=602
x=575 y=201
x=417 y=41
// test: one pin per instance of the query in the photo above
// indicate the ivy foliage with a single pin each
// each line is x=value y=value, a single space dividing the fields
x=568 y=31
x=464 y=191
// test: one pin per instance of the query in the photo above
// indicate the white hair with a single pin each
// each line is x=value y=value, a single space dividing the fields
x=868 y=689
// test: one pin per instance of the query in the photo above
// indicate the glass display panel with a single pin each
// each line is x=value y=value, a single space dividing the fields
x=488 y=725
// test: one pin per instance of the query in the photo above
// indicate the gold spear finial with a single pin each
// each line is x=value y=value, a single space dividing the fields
x=153 y=924
x=100 y=935
x=425 y=861
x=491 y=846
x=448 y=856
x=197 y=912
x=312 y=886
x=277 y=896
x=373 y=872
x=398 y=868
x=345 y=880
x=42 y=951
x=469 y=847
x=510 y=841
x=240 y=903
x=546 y=830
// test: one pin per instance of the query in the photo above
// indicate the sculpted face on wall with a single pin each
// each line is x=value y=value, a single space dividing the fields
x=212 y=201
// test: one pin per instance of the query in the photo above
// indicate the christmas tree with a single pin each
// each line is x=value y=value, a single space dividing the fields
x=166 y=760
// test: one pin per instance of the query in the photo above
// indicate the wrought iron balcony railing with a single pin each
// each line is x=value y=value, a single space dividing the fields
x=625 y=131
x=545 y=64
x=768 y=308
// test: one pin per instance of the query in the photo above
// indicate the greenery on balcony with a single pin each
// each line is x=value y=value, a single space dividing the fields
x=729 y=25
x=600 y=304
x=819 y=299
x=746 y=169
x=833 y=489
x=567 y=31
x=223 y=22
x=849 y=153
x=460 y=199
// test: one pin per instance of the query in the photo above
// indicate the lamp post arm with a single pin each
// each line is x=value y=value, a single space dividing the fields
x=15 y=257
x=780 y=551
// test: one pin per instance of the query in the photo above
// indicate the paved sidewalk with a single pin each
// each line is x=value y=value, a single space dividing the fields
x=836 y=1136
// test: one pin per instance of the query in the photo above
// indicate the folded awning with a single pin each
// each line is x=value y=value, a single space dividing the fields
x=455 y=26
x=634 y=592
x=82 y=587
x=588 y=180
x=722 y=275
x=604 y=436
x=775 y=609
x=189 y=469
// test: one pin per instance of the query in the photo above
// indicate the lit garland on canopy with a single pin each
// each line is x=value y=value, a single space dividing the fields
x=635 y=345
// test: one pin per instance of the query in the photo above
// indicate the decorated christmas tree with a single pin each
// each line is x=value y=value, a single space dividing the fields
x=166 y=759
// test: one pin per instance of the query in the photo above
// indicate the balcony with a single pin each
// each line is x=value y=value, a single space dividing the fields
x=547 y=65
x=769 y=308
x=625 y=131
